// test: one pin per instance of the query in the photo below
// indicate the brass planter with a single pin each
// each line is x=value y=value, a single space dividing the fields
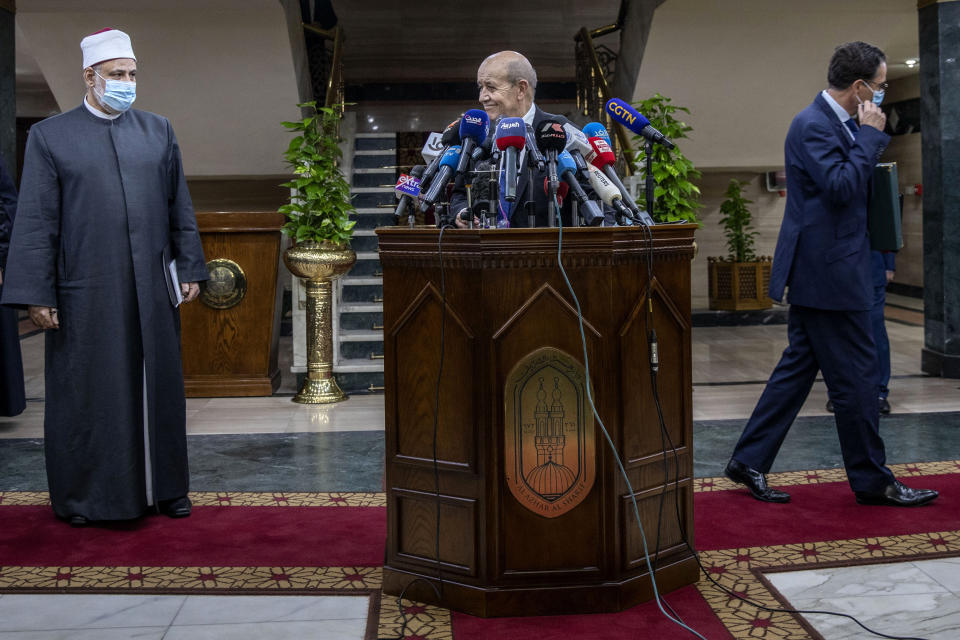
x=319 y=265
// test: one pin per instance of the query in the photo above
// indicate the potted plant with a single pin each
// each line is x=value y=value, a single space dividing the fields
x=740 y=280
x=676 y=196
x=318 y=220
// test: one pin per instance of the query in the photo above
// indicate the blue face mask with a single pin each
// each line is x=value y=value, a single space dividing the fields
x=116 y=94
x=877 y=95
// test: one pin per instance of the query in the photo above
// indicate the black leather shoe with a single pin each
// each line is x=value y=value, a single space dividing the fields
x=755 y=481
x=78 y=521
x=830 y=406
x=176 y=508
x=897 y=494
x=884 y=406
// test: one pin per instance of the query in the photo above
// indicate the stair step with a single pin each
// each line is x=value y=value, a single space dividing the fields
x=368 y=255
x=360 y=335
x=384 y=170
x=361 y=282
x=372 y=181
x=361 y=307
x=372 y=136
x=358 y=365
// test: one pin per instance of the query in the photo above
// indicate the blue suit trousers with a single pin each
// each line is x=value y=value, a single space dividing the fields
x=840 y=344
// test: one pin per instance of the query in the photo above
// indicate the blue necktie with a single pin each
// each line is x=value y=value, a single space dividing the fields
x=853 y=126
x=506 y=208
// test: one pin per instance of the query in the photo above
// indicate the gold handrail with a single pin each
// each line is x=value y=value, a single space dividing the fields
x=333 y=93
x=335 y=81
x=585 y=37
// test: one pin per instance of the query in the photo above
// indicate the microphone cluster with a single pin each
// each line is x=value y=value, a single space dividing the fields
x=563 y=151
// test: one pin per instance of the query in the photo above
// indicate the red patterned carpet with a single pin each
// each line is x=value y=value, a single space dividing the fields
x=333 y=544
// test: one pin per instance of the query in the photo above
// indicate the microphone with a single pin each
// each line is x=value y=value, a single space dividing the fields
x=450 y=137
x=535 y=158
x=631 y=119
x=511 y=138
x=474 y=126
x=448 y=164
x=609 y=193
x=562 y=190
x=551 y=139
x=578 y=146
x=482 y=152
x=567 y=168
x=408 y=188
x=604 y=158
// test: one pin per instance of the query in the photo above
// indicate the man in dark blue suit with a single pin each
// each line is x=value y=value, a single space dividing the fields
x=823 y=257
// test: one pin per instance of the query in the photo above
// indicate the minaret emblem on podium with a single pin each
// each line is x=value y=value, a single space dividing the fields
x=550 y=450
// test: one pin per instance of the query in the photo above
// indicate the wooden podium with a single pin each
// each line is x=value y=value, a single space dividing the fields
x=534 y=516
x=230 y=335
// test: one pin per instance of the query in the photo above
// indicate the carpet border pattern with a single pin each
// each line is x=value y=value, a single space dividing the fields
x=742 y=570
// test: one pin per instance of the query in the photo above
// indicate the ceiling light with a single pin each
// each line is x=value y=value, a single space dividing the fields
x=910 y=62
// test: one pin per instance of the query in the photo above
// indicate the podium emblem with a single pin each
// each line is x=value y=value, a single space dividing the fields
x=550 y=445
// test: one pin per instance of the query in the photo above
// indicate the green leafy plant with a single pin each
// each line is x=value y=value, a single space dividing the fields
x=735 y=218
x=677 y=197
x=319 y=209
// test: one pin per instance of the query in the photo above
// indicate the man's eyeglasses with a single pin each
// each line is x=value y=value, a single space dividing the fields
x=882 y=87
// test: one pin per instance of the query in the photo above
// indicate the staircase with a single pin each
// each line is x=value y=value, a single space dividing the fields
x=358 y=350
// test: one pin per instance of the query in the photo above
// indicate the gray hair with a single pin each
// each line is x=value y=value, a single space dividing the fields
x=517 y=67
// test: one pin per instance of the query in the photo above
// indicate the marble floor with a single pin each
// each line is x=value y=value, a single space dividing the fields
x=906 y=598
x=273 y=444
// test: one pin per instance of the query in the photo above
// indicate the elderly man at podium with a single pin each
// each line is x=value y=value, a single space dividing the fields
x=507 y=83
x=103 y=223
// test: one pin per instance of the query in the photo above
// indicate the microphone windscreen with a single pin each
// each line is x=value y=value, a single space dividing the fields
x=626 y=115
x=511 y=132
x=474 y=124
x=562 y=189
x=602 y=185
x=451 y=135
x=596 y=130
x=551 y=136
x=451 y=157
x=603 y=153
x=565 y=163
x=576 y=140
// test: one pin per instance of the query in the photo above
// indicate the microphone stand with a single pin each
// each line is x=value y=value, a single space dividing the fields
x=469 y=204
x=553 y=184
x=531 y=206
x=493 y=199
x=649 y=182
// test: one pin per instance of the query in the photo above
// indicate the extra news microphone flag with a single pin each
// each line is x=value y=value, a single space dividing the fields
x=631 y=119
